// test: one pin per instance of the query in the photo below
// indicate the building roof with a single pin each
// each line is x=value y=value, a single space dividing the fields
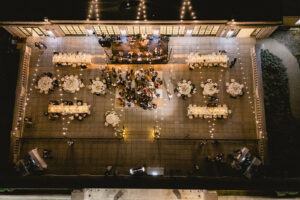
x=34 y=10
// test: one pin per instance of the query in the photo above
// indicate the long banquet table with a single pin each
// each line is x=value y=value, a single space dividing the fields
x=208 y=59
x=69 y=109
x=207 y=112
x=72 y=58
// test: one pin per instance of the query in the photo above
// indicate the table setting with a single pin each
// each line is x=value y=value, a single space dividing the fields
x=98 y=87
x=234 y=88
x=76 y=109
x=207 y=60
x=46 y=83
x=209 y=88
x=73 y=59
x=71 y=83
x=220 y=111
x=111 y=118
x=185 y=89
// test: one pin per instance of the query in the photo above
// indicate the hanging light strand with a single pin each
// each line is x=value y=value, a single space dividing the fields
x=187 y=7
x=141 y=12
x=93 y=12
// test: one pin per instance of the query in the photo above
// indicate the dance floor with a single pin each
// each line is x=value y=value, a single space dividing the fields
x=94 y=144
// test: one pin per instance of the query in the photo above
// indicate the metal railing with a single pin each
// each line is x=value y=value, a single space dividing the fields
x=258 y=105
x=19 y=109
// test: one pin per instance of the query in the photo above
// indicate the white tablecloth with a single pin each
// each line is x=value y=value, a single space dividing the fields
x=208 y=111
x=72 y=58
x=235 y=89
x=210 y=88
x=113 y=119
x=208 y=59
x=98 y=87
x=45 y=84
x=184 y=88
x=72 y=83
x=69 y=109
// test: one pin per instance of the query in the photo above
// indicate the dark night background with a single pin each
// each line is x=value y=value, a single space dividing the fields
x=34 y=10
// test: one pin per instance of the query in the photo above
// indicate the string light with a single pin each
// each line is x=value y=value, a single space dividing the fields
x=141 y=13
x=93 y=12
x=187 y=5
x=27 y=99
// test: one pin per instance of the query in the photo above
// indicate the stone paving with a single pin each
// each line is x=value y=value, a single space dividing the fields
x=94 y=147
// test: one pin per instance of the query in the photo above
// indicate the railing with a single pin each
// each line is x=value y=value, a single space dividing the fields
x=258 y=105
x=19 y=109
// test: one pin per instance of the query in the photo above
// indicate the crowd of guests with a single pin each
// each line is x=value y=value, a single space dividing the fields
x=139 y=88
x=133 y=87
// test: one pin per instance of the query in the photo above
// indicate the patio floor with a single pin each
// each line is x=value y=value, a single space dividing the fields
x=94 y=146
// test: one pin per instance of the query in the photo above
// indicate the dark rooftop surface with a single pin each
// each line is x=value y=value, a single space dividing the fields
x=255 y=10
